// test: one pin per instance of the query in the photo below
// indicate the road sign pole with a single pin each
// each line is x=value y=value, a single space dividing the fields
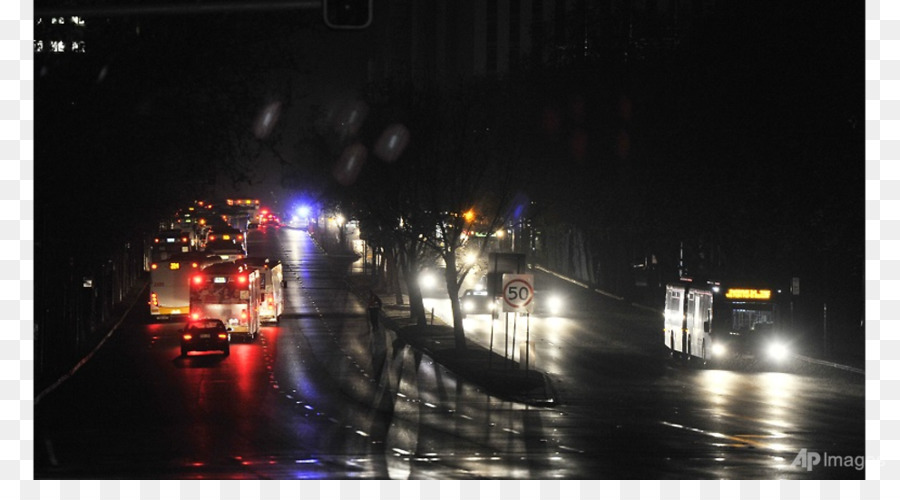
x=527 y=342
x=506 y=342
x=515 y=322
x=491 y=350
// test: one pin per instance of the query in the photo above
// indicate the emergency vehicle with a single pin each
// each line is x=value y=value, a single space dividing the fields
x=170 y=283
x=228 y=291
x=710 y=322
x=271 y=297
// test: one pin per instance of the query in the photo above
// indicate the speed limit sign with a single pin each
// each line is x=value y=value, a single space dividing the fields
x=518 y=292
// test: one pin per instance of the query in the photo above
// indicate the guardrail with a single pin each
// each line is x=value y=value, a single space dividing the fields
x=77 y=297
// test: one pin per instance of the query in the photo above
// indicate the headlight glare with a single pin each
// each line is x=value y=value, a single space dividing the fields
x=555 y=305
x=778 y=351
x=427 y=281
x=719 y=350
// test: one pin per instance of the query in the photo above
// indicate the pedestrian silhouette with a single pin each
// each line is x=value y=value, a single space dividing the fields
x=374 y=309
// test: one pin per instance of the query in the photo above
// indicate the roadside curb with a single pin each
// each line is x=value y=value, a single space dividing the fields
x=533 y=387
x=831 y=364
x=497 y=376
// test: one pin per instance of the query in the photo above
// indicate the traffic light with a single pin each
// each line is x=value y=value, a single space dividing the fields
x=347 y=14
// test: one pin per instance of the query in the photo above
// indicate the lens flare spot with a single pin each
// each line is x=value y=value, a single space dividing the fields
x=392 y=143
x=266 y=120
x=349 y=165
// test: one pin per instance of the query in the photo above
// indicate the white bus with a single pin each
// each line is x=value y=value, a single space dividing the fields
x=228 y=291
x=710 y=322
x=271 y=297
x=170 y=283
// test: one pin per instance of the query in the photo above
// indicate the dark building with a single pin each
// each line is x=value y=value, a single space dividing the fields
x=448 y=39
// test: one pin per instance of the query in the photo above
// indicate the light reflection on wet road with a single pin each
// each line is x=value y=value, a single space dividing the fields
x=309 y=400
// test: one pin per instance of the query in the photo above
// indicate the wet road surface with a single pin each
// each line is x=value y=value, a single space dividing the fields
x=308 y=400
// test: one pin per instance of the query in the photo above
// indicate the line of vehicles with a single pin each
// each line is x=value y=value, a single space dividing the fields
x=200 y=271
x=705 y=322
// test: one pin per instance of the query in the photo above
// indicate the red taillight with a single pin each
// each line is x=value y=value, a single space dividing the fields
x=153 y=266
x=212 y=237
x=195 y=316
x=194 y=264
x=241 y=279
x=240 y=237
x=244 y=314
x=184 y=240
x=198 y=279
x=223 y=335
x=154 y=300
x=155 y=240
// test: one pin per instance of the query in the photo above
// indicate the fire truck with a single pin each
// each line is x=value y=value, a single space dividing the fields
x=271 y=297
x=713 y=323
x=228 y=291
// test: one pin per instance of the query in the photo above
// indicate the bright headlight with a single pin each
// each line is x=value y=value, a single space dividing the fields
x=427 y=281
x=555 y=304
x=467 y=306
x=778 y=351
x=718 y=350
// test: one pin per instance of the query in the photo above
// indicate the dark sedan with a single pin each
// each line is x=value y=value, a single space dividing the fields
x=205 y=335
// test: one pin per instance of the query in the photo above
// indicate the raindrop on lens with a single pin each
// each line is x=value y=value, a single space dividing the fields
x=392 y=142
x=348 y=166
x=266 y=120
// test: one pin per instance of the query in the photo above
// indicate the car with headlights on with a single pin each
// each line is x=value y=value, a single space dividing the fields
x=477 y=302
x=207 y=334
x=432 y=282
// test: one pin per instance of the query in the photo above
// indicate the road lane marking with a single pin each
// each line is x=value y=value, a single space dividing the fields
x=719 y=435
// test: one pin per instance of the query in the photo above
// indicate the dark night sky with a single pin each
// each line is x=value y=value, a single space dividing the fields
x=767 y=102
x=149 y=99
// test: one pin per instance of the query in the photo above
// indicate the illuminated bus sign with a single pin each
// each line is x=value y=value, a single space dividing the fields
x=748 y=294
x=174 y=265
x=243 y=202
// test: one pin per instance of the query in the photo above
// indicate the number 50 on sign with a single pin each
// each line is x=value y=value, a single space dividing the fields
x=518 y=293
